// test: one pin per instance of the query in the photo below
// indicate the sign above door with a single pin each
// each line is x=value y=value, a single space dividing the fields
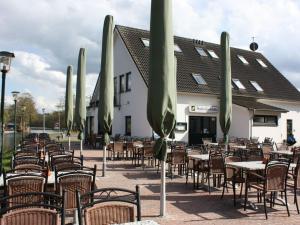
x=203 y=108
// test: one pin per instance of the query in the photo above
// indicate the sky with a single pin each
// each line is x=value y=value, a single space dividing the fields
x=46 y=36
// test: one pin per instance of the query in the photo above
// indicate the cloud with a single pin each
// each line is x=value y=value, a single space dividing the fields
x=49 y=37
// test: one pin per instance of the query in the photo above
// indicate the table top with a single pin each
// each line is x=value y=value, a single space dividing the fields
x=51 y=179
x=143 y=222
x=203 y=157
x=252 y=165
x=213 y=144
x=238 y=146
x=282 y=152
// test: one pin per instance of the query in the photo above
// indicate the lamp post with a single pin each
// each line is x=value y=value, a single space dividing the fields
x=5 y=62
x=43 y=109
x=15 y=96
x=23 y=121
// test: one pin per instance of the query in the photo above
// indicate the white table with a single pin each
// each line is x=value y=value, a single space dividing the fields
x=202 y=157
x=238 y=146
x=282 y=152
x=143 y=222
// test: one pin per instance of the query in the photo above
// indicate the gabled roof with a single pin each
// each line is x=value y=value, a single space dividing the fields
x=273 y=83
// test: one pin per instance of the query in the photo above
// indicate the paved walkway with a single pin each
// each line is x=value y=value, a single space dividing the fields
x=184 y=205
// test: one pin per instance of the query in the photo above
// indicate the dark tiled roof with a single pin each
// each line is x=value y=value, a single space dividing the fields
x=252 y=103
x=274 y=84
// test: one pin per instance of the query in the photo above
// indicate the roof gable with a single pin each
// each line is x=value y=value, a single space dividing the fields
x=273 y=83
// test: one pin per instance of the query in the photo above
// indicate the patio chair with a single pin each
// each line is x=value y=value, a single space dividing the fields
x=61 y=161
x=117 y=149
x=108 y=206
x=82 y=179
x=234 y=176
x=267 y=148
x=46 y=209
x=17 y=183
x=27 y=160
x=176 y=158
x=147 y=154
x=33 y=168
x=274 y=180
x=216 y=167
x=295 y=184
x=26 y=152
x=296 y=154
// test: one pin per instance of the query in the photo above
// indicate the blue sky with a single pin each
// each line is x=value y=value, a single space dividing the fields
x=46 y=35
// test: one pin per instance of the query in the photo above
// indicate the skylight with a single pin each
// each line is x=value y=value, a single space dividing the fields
x=201 y=51
x=199 y=79
x=146 y=42
x=239 y=84
x=261 y=63
x=212 y=54
x=176 y=48
x=242 y=58
x=256 y=86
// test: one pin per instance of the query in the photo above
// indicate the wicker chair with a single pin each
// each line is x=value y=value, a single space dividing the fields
x=46 y=209
x=148 y=154
x=216 y=166
x=266 y=149
x=82 y=180
x=17 y=183
x=274 y=180
x=27 y=160
x=177 y=158
x=62 y=160
x=296 y=154
x=118 y=149
x=108 y=206
x=22 y=153
x=25 y=168
x=295 y=184
x=232 y=175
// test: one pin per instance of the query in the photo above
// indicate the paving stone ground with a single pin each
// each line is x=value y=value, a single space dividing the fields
x=184 y=204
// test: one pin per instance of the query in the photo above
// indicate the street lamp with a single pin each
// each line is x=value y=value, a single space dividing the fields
x=15 y=96
x=43 y=109
x=5 y=61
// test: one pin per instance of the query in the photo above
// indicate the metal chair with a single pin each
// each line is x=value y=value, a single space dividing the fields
x=108 y=206
x=45 y=209
x=216 y=166
x=274 y=180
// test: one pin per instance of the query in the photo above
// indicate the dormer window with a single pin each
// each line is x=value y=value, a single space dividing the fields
x=146 y=42
x=261 y=63
x=256 y=86
x=243 y=60
x=239 y=84
x=199 y=79
x=201 y=51
x=212 y=54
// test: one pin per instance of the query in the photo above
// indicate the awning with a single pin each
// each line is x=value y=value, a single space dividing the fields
x=253 y=104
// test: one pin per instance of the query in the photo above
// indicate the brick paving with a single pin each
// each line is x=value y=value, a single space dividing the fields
x=184 y=204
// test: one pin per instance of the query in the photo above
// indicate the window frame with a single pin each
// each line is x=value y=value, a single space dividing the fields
x=127 y=119
x=116 y=102
x=128 y=77
x=201 y=50
x=177 y=48
x=265 y=122
x=243 y=59
x=238 y=83
x=147 y=41
x=121 y=87
x=201 y=79
x=212 y=53
x=261 y=63
x=258 y=88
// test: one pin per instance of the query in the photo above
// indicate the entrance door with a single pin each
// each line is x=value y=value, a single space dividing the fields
x=289 y=127
x=201 y=127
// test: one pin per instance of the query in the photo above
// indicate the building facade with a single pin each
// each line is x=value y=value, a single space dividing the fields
x=265 y=103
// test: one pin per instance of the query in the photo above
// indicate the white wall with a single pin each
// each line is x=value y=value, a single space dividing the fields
x=134 y=102
x=240 y=125
x=293 y=114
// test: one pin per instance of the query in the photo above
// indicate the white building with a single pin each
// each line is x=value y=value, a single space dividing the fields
x=265 y=103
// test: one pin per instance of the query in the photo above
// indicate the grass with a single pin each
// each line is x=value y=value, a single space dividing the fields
x=7 y=154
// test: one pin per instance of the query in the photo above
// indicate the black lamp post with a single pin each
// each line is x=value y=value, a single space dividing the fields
x=5 y=61
x=15 y=96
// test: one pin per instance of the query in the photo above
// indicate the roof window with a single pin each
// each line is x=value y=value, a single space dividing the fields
x=201 y=51
x=261 y=63
x=146 y=42
x=256 y=86
x=212 y=54
x=199 y=79
x=176 y=48
x=243 y=60
x=239 y=84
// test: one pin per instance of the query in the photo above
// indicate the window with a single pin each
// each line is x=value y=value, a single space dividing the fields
x=201 y=51
x=122 y=83
x=261 y=63
x=128 y=81
x=199 y=79
x=176 y=48
x=212 y=54
x=128 y=125
x=146 y=42
x=239 y=84
x=243 y=60
x=116 y=102
x=263 y=120
x=256 y=86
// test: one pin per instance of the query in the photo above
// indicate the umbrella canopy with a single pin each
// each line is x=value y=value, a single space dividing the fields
x=80 y=108
x=161 y=104
x=226 y=94
x=106 y=95
x=69 y=101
